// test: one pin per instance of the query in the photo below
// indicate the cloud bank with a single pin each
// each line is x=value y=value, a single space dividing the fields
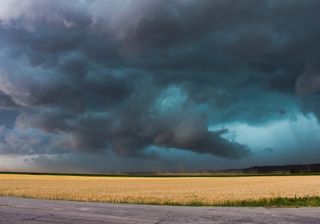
x=120 y=77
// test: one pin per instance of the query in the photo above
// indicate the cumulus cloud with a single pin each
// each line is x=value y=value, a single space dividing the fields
x=104 y=76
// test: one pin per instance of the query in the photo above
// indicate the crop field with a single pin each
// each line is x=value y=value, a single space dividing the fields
x=161 y=190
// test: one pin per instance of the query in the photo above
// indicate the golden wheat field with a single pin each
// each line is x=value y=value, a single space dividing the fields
x=181 y=190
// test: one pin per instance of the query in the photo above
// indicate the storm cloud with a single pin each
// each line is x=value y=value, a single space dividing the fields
x=120 y=77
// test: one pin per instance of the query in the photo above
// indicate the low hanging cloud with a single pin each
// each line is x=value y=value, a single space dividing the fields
x=110 y=76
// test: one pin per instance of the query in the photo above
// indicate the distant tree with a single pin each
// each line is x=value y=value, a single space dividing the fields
x=294 y=170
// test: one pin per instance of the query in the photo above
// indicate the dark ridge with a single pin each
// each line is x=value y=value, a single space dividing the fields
x=292 y=169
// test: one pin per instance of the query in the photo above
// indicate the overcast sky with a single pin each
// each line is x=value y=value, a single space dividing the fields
x=158 y=85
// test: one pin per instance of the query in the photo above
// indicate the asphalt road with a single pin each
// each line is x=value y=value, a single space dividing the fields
x=29 y=211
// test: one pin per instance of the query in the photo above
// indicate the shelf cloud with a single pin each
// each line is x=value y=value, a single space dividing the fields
x=103 y=77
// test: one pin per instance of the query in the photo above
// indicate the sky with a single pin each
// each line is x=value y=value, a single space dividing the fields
x=158 y=85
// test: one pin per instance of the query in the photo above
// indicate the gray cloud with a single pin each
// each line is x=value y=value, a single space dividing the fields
x=100 y=76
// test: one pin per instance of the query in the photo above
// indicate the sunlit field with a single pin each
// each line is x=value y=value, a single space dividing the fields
x=160 y=190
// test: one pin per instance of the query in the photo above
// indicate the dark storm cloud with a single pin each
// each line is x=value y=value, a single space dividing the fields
x=98 y=76
x=5 y=100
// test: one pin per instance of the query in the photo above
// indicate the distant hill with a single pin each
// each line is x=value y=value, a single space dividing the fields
x=293 y=168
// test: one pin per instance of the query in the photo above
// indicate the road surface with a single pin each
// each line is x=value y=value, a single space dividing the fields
x=29 y=211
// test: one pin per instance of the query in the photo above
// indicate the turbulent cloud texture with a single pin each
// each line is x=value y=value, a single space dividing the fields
x=108 y=76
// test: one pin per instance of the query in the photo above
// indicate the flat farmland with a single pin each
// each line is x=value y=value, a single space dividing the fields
x=162 y=190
